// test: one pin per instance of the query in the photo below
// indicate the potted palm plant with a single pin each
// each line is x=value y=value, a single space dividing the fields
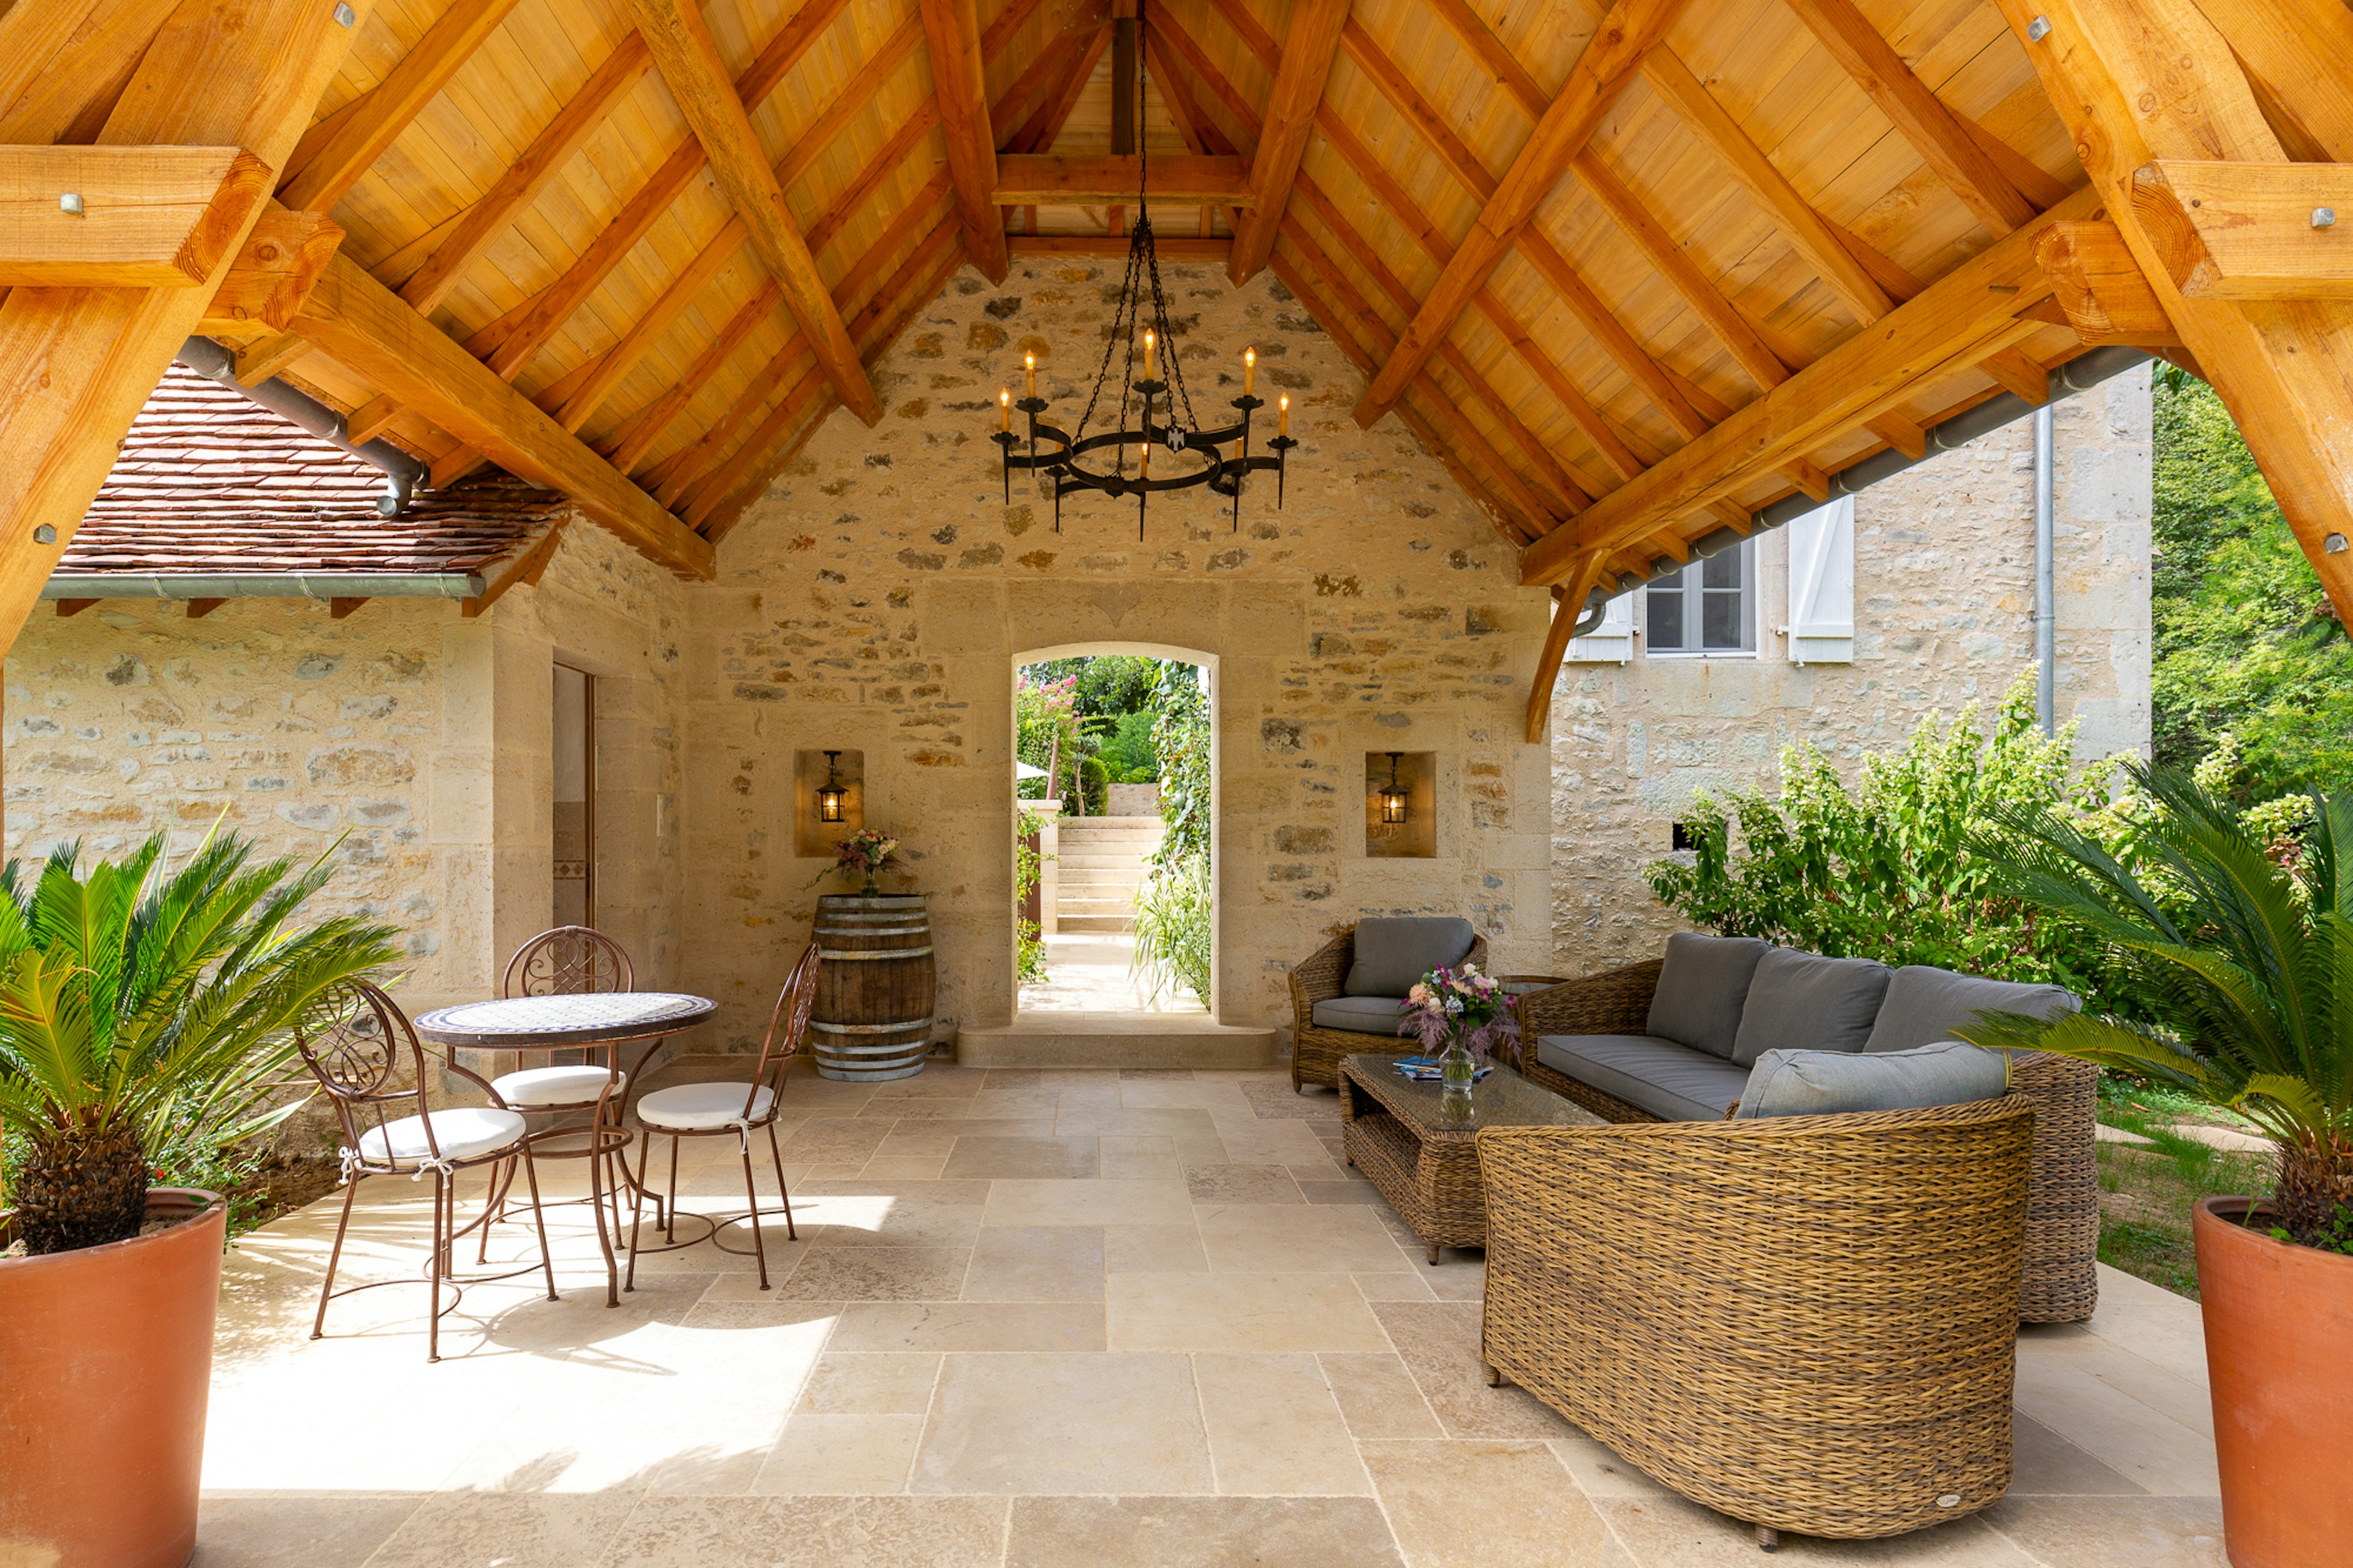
x=141 y=1009
x=2247 y=954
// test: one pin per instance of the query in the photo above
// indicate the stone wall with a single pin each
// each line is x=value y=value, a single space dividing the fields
x=879 y=596
x=1944 y=563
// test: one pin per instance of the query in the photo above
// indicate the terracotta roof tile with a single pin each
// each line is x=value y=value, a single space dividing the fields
x=209 y=482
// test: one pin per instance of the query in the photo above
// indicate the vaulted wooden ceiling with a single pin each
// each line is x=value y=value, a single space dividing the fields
x=1633 y=271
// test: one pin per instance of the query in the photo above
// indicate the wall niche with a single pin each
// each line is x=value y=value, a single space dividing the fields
x=1415 y=773
x=813 y=837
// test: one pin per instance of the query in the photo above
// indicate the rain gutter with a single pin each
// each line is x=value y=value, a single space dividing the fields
x=263 y=585
x=403 y=474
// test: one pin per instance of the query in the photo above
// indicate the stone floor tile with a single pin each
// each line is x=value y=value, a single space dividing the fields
x=1238 y=1311
x=1670 y=1532
x=1154 y=1249
x=1272 y=1143
x=969 y=1326
x=1296 y=1239
x=837 y=1455
x=1275 y=1429
x=1458 y=1275
x=1084 y=1119
x=1064 y=1423
x=888 y=1166
x=1141 y=1157
x=1088 y=1203
x=2143 y=1444
x=874 y=1383
x=1230 y=1183
x=2045 y=1464
x=1197 y=1149
x=1335 y=1188
x=1037 y=1263
x=811 y=1532
x=918 y=1110
x=853 y=1140
x=1011 y=1077
x=1599 y=1470
x=1439 y=1344
x=939 y=1137
x=1199 y=1532
x=879 y=1219
x=1378 y=1397
x=292 y=1531
x=865 y=1273
x=473 y=1529
x=2146 y=1321
x=1276 y=1102
x=987 y=1158
x=1484 y=1505
x=2114 y=1533
x=1017 y=1102
x=1400 y=1287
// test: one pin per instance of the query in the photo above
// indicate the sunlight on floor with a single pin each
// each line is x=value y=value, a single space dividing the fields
x=1093 y=972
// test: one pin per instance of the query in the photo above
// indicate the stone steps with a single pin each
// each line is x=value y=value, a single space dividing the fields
x=1099 y=863
x=1117 y=1040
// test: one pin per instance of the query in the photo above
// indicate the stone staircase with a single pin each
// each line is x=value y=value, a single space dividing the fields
x=1100 y=863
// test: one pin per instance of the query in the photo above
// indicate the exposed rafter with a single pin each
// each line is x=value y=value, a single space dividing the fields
x=952 y=29
x=1309 y=43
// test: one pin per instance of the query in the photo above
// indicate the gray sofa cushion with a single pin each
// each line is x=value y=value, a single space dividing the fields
x=1664 y=1079
x=1926 y=1004
x=1803 y=1002
x=1395 y=951
x=1363 y=1016
x=1821 y=1083
x=1702 y=986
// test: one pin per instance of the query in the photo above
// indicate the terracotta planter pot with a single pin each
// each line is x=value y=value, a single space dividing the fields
x=108 y=1358
x=2279 y=1354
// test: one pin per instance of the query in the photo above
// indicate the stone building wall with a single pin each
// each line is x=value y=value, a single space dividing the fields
x=879 y=596
x=420 y=740
x=1943 y=601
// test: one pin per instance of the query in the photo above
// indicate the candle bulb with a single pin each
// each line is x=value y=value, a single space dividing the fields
x=1282 y=407
x=1029 y=372
x=1004 y=409
x=1250 y=371
x=1151 y=355
x=1144 y=468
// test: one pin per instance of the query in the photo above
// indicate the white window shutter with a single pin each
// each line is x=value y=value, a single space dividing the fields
x=1612 y=642
x=1821 y=585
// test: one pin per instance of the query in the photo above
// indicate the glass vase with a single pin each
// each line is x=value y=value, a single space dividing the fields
x=1456 y=1068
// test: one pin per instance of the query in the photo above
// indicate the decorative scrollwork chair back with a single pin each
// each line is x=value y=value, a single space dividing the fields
x=787 y=1032
x=570 y=961
x=356 y=1044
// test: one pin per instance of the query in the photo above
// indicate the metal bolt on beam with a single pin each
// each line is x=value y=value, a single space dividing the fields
x=344 y=16
x=69 y=202
x=2324 y=217
x=2038 y=29
x=43 y=534
x=2333 y=544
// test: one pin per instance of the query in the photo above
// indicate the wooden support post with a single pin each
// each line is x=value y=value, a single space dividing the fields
x=71 y=608
x=199 y=608
x=952 y=35
x=1567 y=609
x=340 y=609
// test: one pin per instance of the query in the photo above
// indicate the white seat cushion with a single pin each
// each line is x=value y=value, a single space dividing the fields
x=558 y=1086
x=462 y=1131
x=698 y=1107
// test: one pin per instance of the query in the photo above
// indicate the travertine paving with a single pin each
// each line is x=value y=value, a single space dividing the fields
x=1037 y=1319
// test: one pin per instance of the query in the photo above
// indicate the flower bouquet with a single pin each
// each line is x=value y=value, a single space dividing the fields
x=1463 y=1015
x=869 y=852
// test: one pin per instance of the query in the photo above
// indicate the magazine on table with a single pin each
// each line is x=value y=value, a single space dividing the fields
x=1425 y=1069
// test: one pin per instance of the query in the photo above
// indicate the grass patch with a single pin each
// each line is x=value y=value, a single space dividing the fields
x=2145 y=1192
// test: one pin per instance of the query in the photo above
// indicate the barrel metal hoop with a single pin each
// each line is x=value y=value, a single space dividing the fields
x=865 y=931
x=884 y=953
x=922 y=1023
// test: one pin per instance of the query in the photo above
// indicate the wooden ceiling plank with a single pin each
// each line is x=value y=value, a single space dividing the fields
x=1408 y=99
x=647 y=327
x=2136 y=82
x=63 y=62
x=1916 y=113
x=653 y=422
x=143 y=217
x=849 y=102
x=885 y=163
x=1111 y=245
x=1310 y=41
x=1863 y=376
x=1045 y=123
x=373 y=333
x=1630 y=30
x=688 y=59
x=406 y=89
x=1471 y=31
x=952 y=34
x=2299 y=51
x=260 y=360
x=1004 y=25
x=369 y=419
x=480 y=226
x=77 y=364
x=1047 y=76
x=794 y=38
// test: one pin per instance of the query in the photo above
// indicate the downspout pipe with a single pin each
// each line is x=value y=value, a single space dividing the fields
x=264 y=585
x=404 y=475
x=2081 y=373
x=2046 y=605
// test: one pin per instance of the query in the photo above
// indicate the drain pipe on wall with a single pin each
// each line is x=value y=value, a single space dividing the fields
x=2081 y=373
x=404 y=475
x=2046 y=613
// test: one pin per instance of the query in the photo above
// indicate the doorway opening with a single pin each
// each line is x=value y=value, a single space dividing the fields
x=576 y=797
x=1115 y=880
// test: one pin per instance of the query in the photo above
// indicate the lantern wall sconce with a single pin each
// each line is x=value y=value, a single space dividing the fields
x=828 y=800
x=1401 y=804
x=832 y=800
x=1397 y=801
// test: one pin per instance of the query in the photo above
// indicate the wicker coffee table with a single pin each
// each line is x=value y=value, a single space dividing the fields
x=1398 y=1133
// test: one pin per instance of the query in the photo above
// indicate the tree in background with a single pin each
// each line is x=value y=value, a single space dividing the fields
x=2247 y=644
x=1174 y=907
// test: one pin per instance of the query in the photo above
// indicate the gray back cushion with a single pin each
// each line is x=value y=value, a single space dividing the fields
x=1395 y=951
x=1803 y=1002
x=1926 y=1004
x=1702 y=986
x=1821 y=1083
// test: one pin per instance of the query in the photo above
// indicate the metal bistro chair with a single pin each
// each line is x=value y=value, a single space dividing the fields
x=570 y=960
x=356 y=1054
x=711 y=1109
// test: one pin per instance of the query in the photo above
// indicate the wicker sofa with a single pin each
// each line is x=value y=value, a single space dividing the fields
x=2061 y=1282
x=1323 y=979
x=1807 y=1322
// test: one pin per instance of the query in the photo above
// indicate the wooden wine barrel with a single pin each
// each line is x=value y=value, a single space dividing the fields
x=874 y=988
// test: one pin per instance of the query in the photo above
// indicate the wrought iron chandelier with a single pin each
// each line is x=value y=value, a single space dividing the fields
x=1170 y=425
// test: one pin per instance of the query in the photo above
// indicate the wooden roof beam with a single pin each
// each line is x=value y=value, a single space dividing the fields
x=952 y=34
x=1048 y=180
x=316 y=181
x=370 y=331
x=1867 y=374
x=2244 y=231
x=1309 y=42
x=1048 y=79
x=688 y=59
x=140 y=217
x=1567 y=609
x=1630 y=30
x=1917 y=113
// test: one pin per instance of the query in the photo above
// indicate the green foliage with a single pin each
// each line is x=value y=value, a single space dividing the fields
x=2246 y=641
x=158 y=1004
x=1103 y=685
x=1173 y=927
x=1884 y=867
x=1180 y=741
x=1127 y=750
x=1029 y=945
x=2247 y=952
x=1047 y=731
x=1093 y=798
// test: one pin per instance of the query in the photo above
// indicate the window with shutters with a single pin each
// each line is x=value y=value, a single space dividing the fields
x=1706 y=608
x=1822 y=584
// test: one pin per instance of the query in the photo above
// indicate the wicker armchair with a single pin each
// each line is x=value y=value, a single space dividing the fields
x=1315 y=1052
x=2063 y=1214
x=1807 y=1322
